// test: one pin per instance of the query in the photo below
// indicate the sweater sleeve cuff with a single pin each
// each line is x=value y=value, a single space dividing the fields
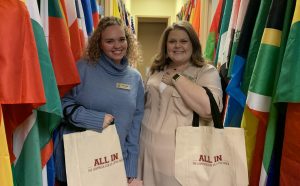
x=91 y=119
x=131 y=165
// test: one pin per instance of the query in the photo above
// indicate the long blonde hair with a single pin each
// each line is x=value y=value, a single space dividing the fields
x=94 y=51
x=161 y=59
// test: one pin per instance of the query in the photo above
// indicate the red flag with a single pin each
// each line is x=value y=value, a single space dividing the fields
x=21 y=86
x=75 y=35
x=60 y=49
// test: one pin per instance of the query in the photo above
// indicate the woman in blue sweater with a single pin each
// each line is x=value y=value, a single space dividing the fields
x=110 y=90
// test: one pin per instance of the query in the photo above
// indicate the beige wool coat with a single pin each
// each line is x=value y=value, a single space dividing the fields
x=164 y=112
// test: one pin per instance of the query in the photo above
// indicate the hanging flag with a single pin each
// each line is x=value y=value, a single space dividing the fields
x=132 y=25
x=262 y=83
x=59 y=45
x=288 y=91
x=188 y=10
x=22 y=87
x=95 y=13
x=223 y=31
x=224 y=53
x=275 y=131
x=212 y=40
x=196 y=17
x=289 y=169
x=75 y=34
x=6 y=178
x=86 y=5
x=193 y=6
x=81 y=23
x=249 y=122
x=32 y=137
x=255 y=42
x=237 y=99
x=116 y=10
x=48 y=115
x=237 y=31
x=124 y=14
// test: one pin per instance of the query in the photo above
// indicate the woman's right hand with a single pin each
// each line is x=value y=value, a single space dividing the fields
x=108 y=119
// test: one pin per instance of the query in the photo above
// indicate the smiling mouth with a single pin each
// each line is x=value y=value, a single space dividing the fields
x=117 y=52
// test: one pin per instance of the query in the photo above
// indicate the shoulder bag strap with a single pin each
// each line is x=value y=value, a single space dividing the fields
x=216 y=116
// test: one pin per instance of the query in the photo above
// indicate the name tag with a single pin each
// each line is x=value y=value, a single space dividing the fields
x=123 y=86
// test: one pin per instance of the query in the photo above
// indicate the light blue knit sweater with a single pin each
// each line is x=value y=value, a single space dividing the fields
x=100 y=92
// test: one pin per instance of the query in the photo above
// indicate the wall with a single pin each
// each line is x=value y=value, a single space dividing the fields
x=161 y=4
x=154 y=8
x=128 y=5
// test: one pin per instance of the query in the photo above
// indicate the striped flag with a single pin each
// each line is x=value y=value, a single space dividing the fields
x=237 y=99
x=249 y=122
x=255 y=42
x=262 y=84
x=59 y=45
x=274 y=135
x=288 y=92
x=237 y=32
x=75 y=34
x=81 y=24
x=48 y=115
x=223 y=31
x=95 y=13
x=213 y=35
x=21 y=81
x=224 y=54
x=87 y=9
x=6 y=178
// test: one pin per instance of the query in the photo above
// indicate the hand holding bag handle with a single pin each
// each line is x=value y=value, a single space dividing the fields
x=216 y=115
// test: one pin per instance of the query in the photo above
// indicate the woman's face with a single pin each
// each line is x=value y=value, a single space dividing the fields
x=179 y=47
x=114 y=43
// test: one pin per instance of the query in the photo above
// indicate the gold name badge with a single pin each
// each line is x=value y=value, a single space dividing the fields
x=123 y=86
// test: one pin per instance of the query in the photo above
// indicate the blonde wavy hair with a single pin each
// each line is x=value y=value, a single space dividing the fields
x=161 y=59
x=94 y=51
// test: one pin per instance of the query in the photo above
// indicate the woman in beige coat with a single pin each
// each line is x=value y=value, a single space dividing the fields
x=173 y=91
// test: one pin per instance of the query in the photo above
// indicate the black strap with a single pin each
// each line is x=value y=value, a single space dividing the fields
x=67 y=116
x=195 y=122
x=216 y=116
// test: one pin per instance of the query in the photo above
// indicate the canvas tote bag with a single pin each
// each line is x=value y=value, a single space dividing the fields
x=94 y=159
x=210 y=156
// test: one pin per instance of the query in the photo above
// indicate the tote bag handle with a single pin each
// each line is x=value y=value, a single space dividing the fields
x=216 y=115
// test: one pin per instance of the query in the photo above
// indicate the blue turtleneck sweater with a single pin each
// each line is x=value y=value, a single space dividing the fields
x=115 y=89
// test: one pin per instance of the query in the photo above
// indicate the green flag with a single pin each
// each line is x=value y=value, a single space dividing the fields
x=37 y=129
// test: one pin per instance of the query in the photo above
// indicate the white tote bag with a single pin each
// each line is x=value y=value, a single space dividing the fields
x=210 y=156
x=94 y=159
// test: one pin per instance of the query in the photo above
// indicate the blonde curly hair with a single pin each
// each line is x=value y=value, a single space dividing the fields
x=94 y=51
